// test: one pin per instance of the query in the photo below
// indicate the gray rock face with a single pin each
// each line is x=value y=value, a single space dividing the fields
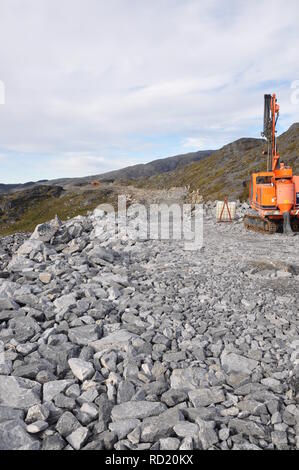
x=90 y=409
x=16 y=392
x=54 y=442
x=37 y=427
x=137 y=410
x=161 y=426
x=5 y=365
x=10 y=414
x=187 y=444
x=53 y=388
x=84 y=335
x=37 y=413
x=123 y=427
x=30 y=246
x=118 y=341
x=107 y=439
x=169 y=443
x=67 y=424
x=248 y=428
x=280 y=440
x=232 y=362
x=65 y=302
x=45 y=278
x=207 y=435
x=98 y=254
x=13 y=436
x=186 y=379
x=125 y=392
x=44 y=232
x=105 y=407
x=185 y=429
x=206 y=396
x=81 y=369
x=78 y=438
x=172 y=397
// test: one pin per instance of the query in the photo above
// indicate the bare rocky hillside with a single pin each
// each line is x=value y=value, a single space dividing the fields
x=227 y=171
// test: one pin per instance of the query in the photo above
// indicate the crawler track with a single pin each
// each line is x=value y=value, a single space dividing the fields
x=257 y=224
x=295 y=225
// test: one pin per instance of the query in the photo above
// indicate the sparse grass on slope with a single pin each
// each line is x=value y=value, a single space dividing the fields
x=227 y=171
x=66 y=206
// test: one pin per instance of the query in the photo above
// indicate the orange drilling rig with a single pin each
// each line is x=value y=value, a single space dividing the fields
x=274 y=194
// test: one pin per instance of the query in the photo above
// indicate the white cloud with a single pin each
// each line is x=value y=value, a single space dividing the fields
x=74 y=164
x=113 y=78
x=197 y=143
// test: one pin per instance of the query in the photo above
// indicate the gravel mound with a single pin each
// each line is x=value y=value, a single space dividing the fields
x=107 y=342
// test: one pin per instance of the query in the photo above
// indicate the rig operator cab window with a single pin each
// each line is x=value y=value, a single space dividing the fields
x=264 y=180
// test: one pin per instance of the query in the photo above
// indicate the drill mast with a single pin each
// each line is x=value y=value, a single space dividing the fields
x=271 y=114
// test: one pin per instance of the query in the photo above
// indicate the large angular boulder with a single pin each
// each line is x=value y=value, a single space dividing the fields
x=13 y=436
x=248 y=428
x=65 y=302
x=187 y=379
x=98 y=254
x=30 y=246
x=53 y=388
x=45 y=232
x=83 y=370
x=19 y=393
x=206 y=396
x=235 y=363
x=118 y=340
x=137 y=410
x=161 y=426
x=83 y=335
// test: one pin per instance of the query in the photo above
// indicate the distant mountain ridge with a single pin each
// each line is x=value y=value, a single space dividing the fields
x=6 y=188
x=227 y=171
x=142 y=170
x=203 y=169
x=215 y=174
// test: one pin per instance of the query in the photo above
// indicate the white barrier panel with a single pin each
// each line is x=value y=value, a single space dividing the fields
x=222 y=213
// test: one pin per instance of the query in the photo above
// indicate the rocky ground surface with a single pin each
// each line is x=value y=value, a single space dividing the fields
x=111 y=343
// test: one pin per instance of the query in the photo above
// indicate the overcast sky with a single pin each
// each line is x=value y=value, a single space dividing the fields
x=95 y=85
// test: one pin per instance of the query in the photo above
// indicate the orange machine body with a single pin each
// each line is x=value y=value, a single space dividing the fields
x=276 y=191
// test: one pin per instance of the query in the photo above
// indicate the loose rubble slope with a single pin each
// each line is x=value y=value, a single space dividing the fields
x=108 y=343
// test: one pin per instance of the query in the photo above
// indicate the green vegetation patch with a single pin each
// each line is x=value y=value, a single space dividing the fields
x=66 y=206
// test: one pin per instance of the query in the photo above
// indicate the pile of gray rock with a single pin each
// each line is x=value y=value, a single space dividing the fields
x=107 y=342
